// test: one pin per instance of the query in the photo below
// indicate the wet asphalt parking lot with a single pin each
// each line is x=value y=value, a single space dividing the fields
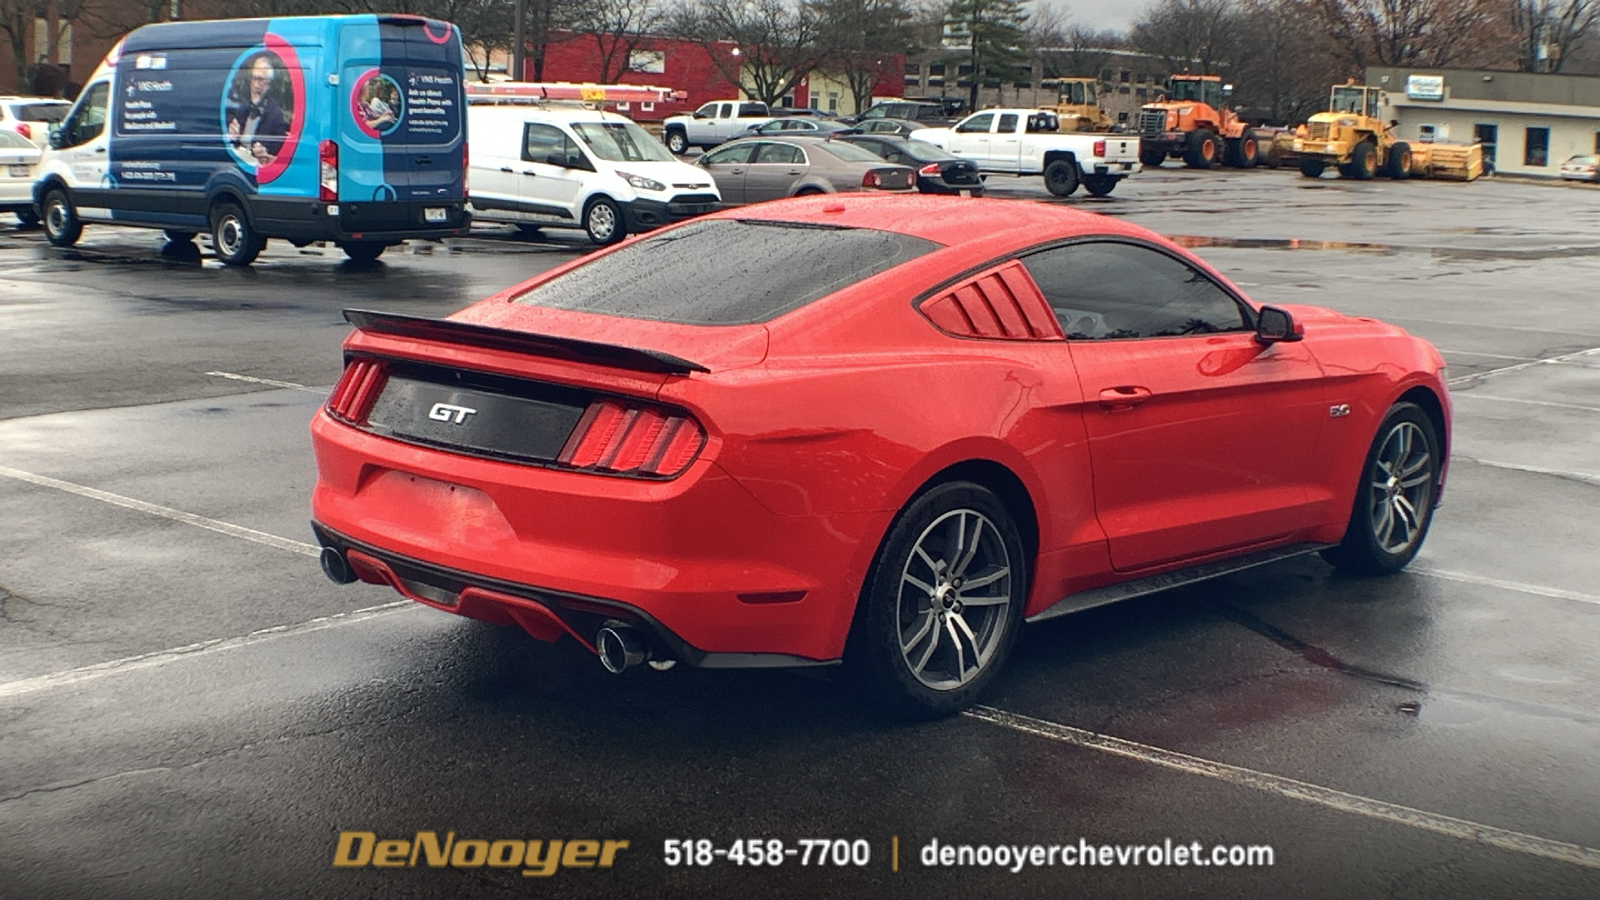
x=189 y=709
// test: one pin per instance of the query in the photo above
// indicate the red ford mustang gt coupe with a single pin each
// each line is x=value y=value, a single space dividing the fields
x=878 y=430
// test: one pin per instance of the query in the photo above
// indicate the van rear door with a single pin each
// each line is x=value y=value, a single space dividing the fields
x=402 y=134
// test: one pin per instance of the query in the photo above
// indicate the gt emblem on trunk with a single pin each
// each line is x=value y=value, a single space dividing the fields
x=449 y=412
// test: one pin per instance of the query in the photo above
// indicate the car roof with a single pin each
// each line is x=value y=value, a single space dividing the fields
x=945 y=220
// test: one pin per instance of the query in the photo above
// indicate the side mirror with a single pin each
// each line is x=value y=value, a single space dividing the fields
x=1274 y=325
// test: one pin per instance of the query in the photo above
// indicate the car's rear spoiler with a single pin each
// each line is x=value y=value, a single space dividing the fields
x=453 y=332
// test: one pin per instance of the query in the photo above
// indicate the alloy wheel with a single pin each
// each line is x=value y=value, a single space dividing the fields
x=954 y=605
x=1401 y=485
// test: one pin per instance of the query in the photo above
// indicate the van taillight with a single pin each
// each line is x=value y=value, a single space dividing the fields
x=360 y=385
x=328 y=171
x=464 y=168
x=1099 y=148
x=632 y=440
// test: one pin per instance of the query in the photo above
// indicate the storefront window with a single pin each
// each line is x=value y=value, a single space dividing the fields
x=1536 y=149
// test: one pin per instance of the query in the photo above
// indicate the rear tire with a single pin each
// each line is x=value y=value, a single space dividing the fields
x=1100 y=185
x=677 y=142
x=1061 y=177
x=1312 y=168
x=233 y=238
x=1394 y=498
x=362 y=251
x=1399 y=164
x=602 y=221
x=1248 y=153
x=942 y=603
x=1203 y=150
x=61 y=225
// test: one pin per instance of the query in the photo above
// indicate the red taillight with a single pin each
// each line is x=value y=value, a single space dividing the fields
x=1099 y=148
x=24 y=130
x=464 y=168
x=929 y=169
x=360 y=385
x=871 y=180
x=632 y=440
x=328 y=171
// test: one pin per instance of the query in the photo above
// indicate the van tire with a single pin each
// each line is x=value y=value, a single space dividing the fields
x=677 y=141
x=602 y=221
x=233 y=238
x=61 y=225
x=362 y=251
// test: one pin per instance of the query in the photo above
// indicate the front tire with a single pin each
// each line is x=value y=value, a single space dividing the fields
x=602 y=221
x=942 y=603
x=61 y=225
x=233 y=238
x=677 y=142
x=1061 y=177
x=1394 y=500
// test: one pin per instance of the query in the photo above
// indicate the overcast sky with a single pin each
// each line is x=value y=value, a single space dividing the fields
x=1100 y=14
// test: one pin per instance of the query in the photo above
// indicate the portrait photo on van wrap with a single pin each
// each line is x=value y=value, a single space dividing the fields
x=259 y=112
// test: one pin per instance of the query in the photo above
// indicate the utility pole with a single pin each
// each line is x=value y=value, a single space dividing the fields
x=519 y=46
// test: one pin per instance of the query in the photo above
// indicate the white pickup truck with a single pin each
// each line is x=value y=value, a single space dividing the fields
x=713 y=123
x=1028 y=142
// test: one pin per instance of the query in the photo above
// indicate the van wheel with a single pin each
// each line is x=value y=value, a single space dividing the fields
x=61 y=225
x=362 y=251
x=603 y=222
x=677 y=142
x=233 y=239
x=942 y=603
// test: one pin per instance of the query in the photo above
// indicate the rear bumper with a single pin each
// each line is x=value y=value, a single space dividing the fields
x=696 y=561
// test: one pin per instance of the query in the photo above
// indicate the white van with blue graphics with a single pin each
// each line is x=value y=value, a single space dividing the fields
x=348 y=129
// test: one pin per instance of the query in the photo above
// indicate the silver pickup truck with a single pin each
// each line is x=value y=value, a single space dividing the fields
x=1028 y=142
x=713 y=123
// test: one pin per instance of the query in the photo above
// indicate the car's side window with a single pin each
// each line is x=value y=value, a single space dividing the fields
x=540 y=142
x=978 y=124
x=1107 y=290
x=88 y=119
x=724 y=155
x=1008 y=123
x=709 y=110
x=778 y=153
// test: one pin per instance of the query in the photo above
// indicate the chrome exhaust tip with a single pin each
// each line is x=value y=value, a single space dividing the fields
x=335 y=566
x=620 y=648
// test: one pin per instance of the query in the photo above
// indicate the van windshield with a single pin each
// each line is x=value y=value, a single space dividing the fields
x=621 y=142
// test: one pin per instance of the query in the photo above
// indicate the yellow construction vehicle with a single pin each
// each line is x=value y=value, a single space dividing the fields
x=1079 y=106
x=1353 y=136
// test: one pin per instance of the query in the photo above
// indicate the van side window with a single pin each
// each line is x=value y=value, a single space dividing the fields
x=88 y=119
x=541 y=142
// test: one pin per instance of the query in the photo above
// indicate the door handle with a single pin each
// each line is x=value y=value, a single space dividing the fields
x=99 y=149
x=506 y=169
x=1125 y=396
x=528 y=172
x=794 y=171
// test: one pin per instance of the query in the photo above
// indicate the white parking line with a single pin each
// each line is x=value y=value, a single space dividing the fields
x=176 y=515
x=268 y=381
x=1489 y=355
x=81 y=674
x=1473 y=395
x=1584 y=477
x=1535 y=589
x=1504 y=839
x=1552 y=360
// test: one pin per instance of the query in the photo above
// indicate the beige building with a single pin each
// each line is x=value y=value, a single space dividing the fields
x=1528 y=123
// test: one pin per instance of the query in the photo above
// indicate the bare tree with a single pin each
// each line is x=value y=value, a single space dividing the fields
x=1283 y=65
x=1431 y=33
x=1549 y=31
x=864 y=40
x=764 y=46
x=616 y=28
x=1190 y=35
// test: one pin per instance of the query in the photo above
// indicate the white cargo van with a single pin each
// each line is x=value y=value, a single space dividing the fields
x=572 y=167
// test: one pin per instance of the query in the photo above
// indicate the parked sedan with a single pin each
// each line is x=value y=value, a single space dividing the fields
x=938 y=172
x=750 y=170
x=899 y=127
x=1581 y=168
x=880 y=430
x=32 y=117
x=797 y=127
x=18 y=160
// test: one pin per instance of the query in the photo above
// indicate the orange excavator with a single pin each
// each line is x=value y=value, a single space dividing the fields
x=1192 y=124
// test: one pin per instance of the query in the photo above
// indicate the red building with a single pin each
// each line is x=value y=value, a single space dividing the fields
x=684 y=66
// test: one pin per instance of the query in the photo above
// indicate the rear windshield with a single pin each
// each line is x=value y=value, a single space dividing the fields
x=727 y=272
x=43 y=112
x=851 y=152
